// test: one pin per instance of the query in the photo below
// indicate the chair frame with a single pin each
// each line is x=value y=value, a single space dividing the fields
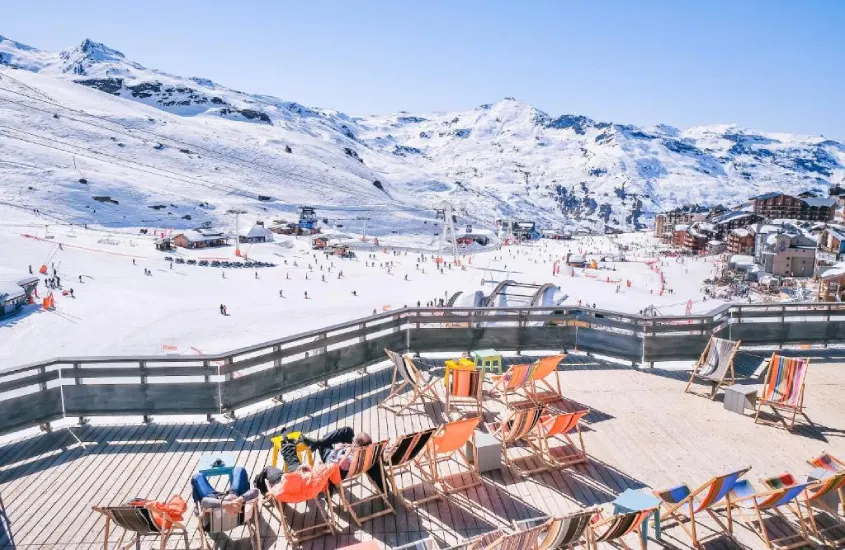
x=252 y=525
x=500 y=386
x=726 y=379
x=357 y=478
x=542 y=443
x=553 y=392
x=549 y=521
x=391 y=470
x=771 y=497
x=812 y=499
x=671 y=509
x=297 y=536
x=164 y=535
x=455 y=401
x=407 y=376
x=429 y=464
x=532 y=435
x=778 y=407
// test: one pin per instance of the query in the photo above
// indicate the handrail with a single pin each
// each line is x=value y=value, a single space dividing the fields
x=220 y=382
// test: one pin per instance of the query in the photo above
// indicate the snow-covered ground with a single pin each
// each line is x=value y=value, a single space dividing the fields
x=119 y=310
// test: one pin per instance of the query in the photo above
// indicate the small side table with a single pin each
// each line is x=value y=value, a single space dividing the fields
x=487 y=360
x=488 y=452
x=635 y=500
x=216 y=464
x=740 y=397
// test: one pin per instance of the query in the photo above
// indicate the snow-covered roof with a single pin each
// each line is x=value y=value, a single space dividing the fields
x=832 y=272
x=740 y=232
x=682 y=227
x=575 y=258
x=741 y=259
x=730 y=216
x=255 y=231
x=715 y=243
x=28 y=280
x=766 y=196
x=10 y=291
x=197 y=237
x=836 y=232
x=706 y=226
x=819 y=201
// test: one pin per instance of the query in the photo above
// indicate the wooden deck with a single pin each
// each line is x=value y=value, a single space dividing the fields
x=643 y=431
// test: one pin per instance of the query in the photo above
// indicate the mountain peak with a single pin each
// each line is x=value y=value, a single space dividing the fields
x=97 y=51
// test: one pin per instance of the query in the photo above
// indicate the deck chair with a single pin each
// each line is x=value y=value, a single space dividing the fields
x=561 y=425
x=324 y=525
x=827 y=461
x=521 y=428
x=560 y=531
x=704 y=499
x=520 y=539
x=517 y=378
x=449 y=443
x=744 y=496
x=362 y=459
x=615 y=528
x=427 y=543
x=813 y=498
x=403 y=455
x=783 y=391
x=138 y=521
x=484 y=541
x=715 y=366
x=463 y=391
x=212 y=521
x=545 y=374
x=406 y=375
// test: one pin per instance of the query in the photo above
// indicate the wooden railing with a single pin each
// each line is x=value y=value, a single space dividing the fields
x=219 y=383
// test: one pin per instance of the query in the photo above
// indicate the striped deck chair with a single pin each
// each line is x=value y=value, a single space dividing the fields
x=522 y=426
x=827 y=461
x=362 y=459
x=715 y=366
x=614 y=528
x=403 y=454
x=138 y=522
x=221 y=520
x=704 y=499
x=448 y=444
x=560 y=531
x=406 y=376
x=784 y=389
x=814 y=499
x=561 y=425
x=744 y=496
x=546 y=374
x=516 y=378
x=521 y=539
x=485 y=541
x=427 y=543
x=463 y=391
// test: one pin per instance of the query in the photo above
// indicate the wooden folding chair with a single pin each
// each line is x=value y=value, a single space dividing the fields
x=744 y=497
x=447 y=444
x=561 y=425
x=783 y=391
x=401 y=459
x=484 y=541
x=522 y=426
x=715 y=366
x=813 y=499
x=139 y=521
x=560 y=531
x=362 y=459
x=703 y=499
x=827 y=461
x=614 y=528
x=517 y=378
x=407 y=376
x=463 y=392
x=325 y=526
x=228 y=517
x=545 y=374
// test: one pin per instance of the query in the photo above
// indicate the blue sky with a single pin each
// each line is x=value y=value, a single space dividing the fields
x=771 y=65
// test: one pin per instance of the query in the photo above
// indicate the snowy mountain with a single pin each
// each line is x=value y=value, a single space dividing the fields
x=90 y=137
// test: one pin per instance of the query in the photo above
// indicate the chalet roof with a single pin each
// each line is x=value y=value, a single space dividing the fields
x=197 y=237
x=740 y=232
x=255 y=231
x=819 y=201
x=731 y=216
x=837 y=233
x=766 y=196
x=10 y=291
x=28 y=280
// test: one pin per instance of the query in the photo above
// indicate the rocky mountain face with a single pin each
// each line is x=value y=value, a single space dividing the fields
x=506 y=159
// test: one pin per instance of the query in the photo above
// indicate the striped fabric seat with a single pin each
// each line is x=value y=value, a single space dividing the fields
x=715 y=367
x=785 y=381
x=522 y=539
x=482 y=542
x=827 y=461
x=677 y=500
x=521 y=426
x=824 y=487
x=361 y=461
x=363 y=458
x=618 y=526
x=521 y=423
x=404 y=451
x=746 y=497
x=834 y=533
x=783 y=389
x=136 y=519
x=518 y=376
x=559 y=531
x=545 y=372
x=406 y=376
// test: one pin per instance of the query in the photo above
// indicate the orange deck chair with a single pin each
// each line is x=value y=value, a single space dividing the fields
x=562 y=425
x=448 y=444
x=406 y=376
x=546 y=374
x=521 y=427
x=463 y=392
